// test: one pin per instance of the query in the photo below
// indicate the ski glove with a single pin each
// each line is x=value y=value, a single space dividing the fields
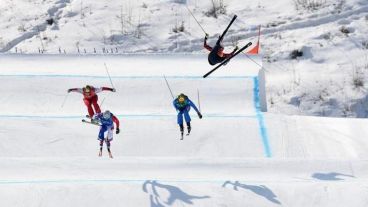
x=117 y=130
x=206 y=36
x=70 y=90
x=113 y=90
x=200 y=115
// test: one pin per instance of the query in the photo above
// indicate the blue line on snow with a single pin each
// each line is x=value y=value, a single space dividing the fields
x=262 y=126
x=117 y=77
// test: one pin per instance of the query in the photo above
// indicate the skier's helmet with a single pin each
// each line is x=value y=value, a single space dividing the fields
x=181 y=98
x=106 y=114
x=87 y=89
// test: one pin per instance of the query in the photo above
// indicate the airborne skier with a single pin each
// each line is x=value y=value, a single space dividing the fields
x=217 y=54
x=183 y=104
x=90 y=97
x=106 y=121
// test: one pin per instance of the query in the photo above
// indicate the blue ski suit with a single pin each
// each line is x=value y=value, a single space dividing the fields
x=106 y=125
x=183 y=109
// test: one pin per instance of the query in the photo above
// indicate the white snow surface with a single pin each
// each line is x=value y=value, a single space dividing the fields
x=49 y=157
x=235 y=156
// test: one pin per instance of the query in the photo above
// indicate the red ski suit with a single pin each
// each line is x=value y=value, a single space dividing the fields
x=90 y=98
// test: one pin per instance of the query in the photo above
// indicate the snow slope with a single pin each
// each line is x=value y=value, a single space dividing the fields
x=235 y=156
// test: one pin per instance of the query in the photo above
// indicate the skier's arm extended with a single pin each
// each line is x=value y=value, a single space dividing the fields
x=78 y=90
x=205 y=45
x=195 y=108
x=116 y=120
x=98 y=90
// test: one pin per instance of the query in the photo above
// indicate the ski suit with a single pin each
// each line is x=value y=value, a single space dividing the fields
x=183 y=109
x=107 y=125
x=217 y=54
x=90 y=98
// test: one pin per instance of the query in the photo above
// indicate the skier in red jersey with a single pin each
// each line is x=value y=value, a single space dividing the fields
x=90 y=97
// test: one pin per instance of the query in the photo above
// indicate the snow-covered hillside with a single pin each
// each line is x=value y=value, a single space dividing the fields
x=328 y=80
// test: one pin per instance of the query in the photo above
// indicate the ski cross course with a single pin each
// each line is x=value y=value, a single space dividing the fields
x=162 y=112
x=234 y=149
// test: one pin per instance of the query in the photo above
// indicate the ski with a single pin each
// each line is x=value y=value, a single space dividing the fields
x=228 y=59
x=90 y=122
x=225 y=31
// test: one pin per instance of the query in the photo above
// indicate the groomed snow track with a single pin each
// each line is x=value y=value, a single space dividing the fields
x=235 y=156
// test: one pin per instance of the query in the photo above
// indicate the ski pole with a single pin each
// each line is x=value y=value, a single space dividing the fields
x=108 y=74
x=199 y=103
x=102 y=101
x=195 y=19
x=66 y=97
x=168 y=86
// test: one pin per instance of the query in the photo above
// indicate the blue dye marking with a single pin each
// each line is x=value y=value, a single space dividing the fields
x=262 y=126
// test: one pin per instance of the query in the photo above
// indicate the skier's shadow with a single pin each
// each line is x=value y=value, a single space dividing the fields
x=259 y=190
x=175 y=194
x=332 y=176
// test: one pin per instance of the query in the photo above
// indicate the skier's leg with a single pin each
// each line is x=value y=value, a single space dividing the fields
x=189 y=127
x=101 y=138
x=101 y=146
x=187 y=116
x=187 y=120
x=103 y=129
x=180 y=121
x=87 y=102
x=95 y=104
x=109 y=138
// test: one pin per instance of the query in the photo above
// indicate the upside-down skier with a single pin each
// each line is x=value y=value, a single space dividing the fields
x=90 y=97
x=183 y=104
x=106 y=121
x=217 y=54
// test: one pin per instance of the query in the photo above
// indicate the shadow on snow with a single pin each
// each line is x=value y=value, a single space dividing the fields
x=332 y=176
x=259 y=190
x=175 y=194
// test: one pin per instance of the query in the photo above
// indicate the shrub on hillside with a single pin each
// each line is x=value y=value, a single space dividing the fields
x=310 y=5
x=218 y=8
x=295 y=54
x=344 y=30
x=180 y=28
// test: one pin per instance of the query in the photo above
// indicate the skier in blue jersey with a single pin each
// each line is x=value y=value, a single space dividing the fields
x=183 y=104
x=106 y=121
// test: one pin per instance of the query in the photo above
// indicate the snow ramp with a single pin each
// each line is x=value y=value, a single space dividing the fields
x=235 y=156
